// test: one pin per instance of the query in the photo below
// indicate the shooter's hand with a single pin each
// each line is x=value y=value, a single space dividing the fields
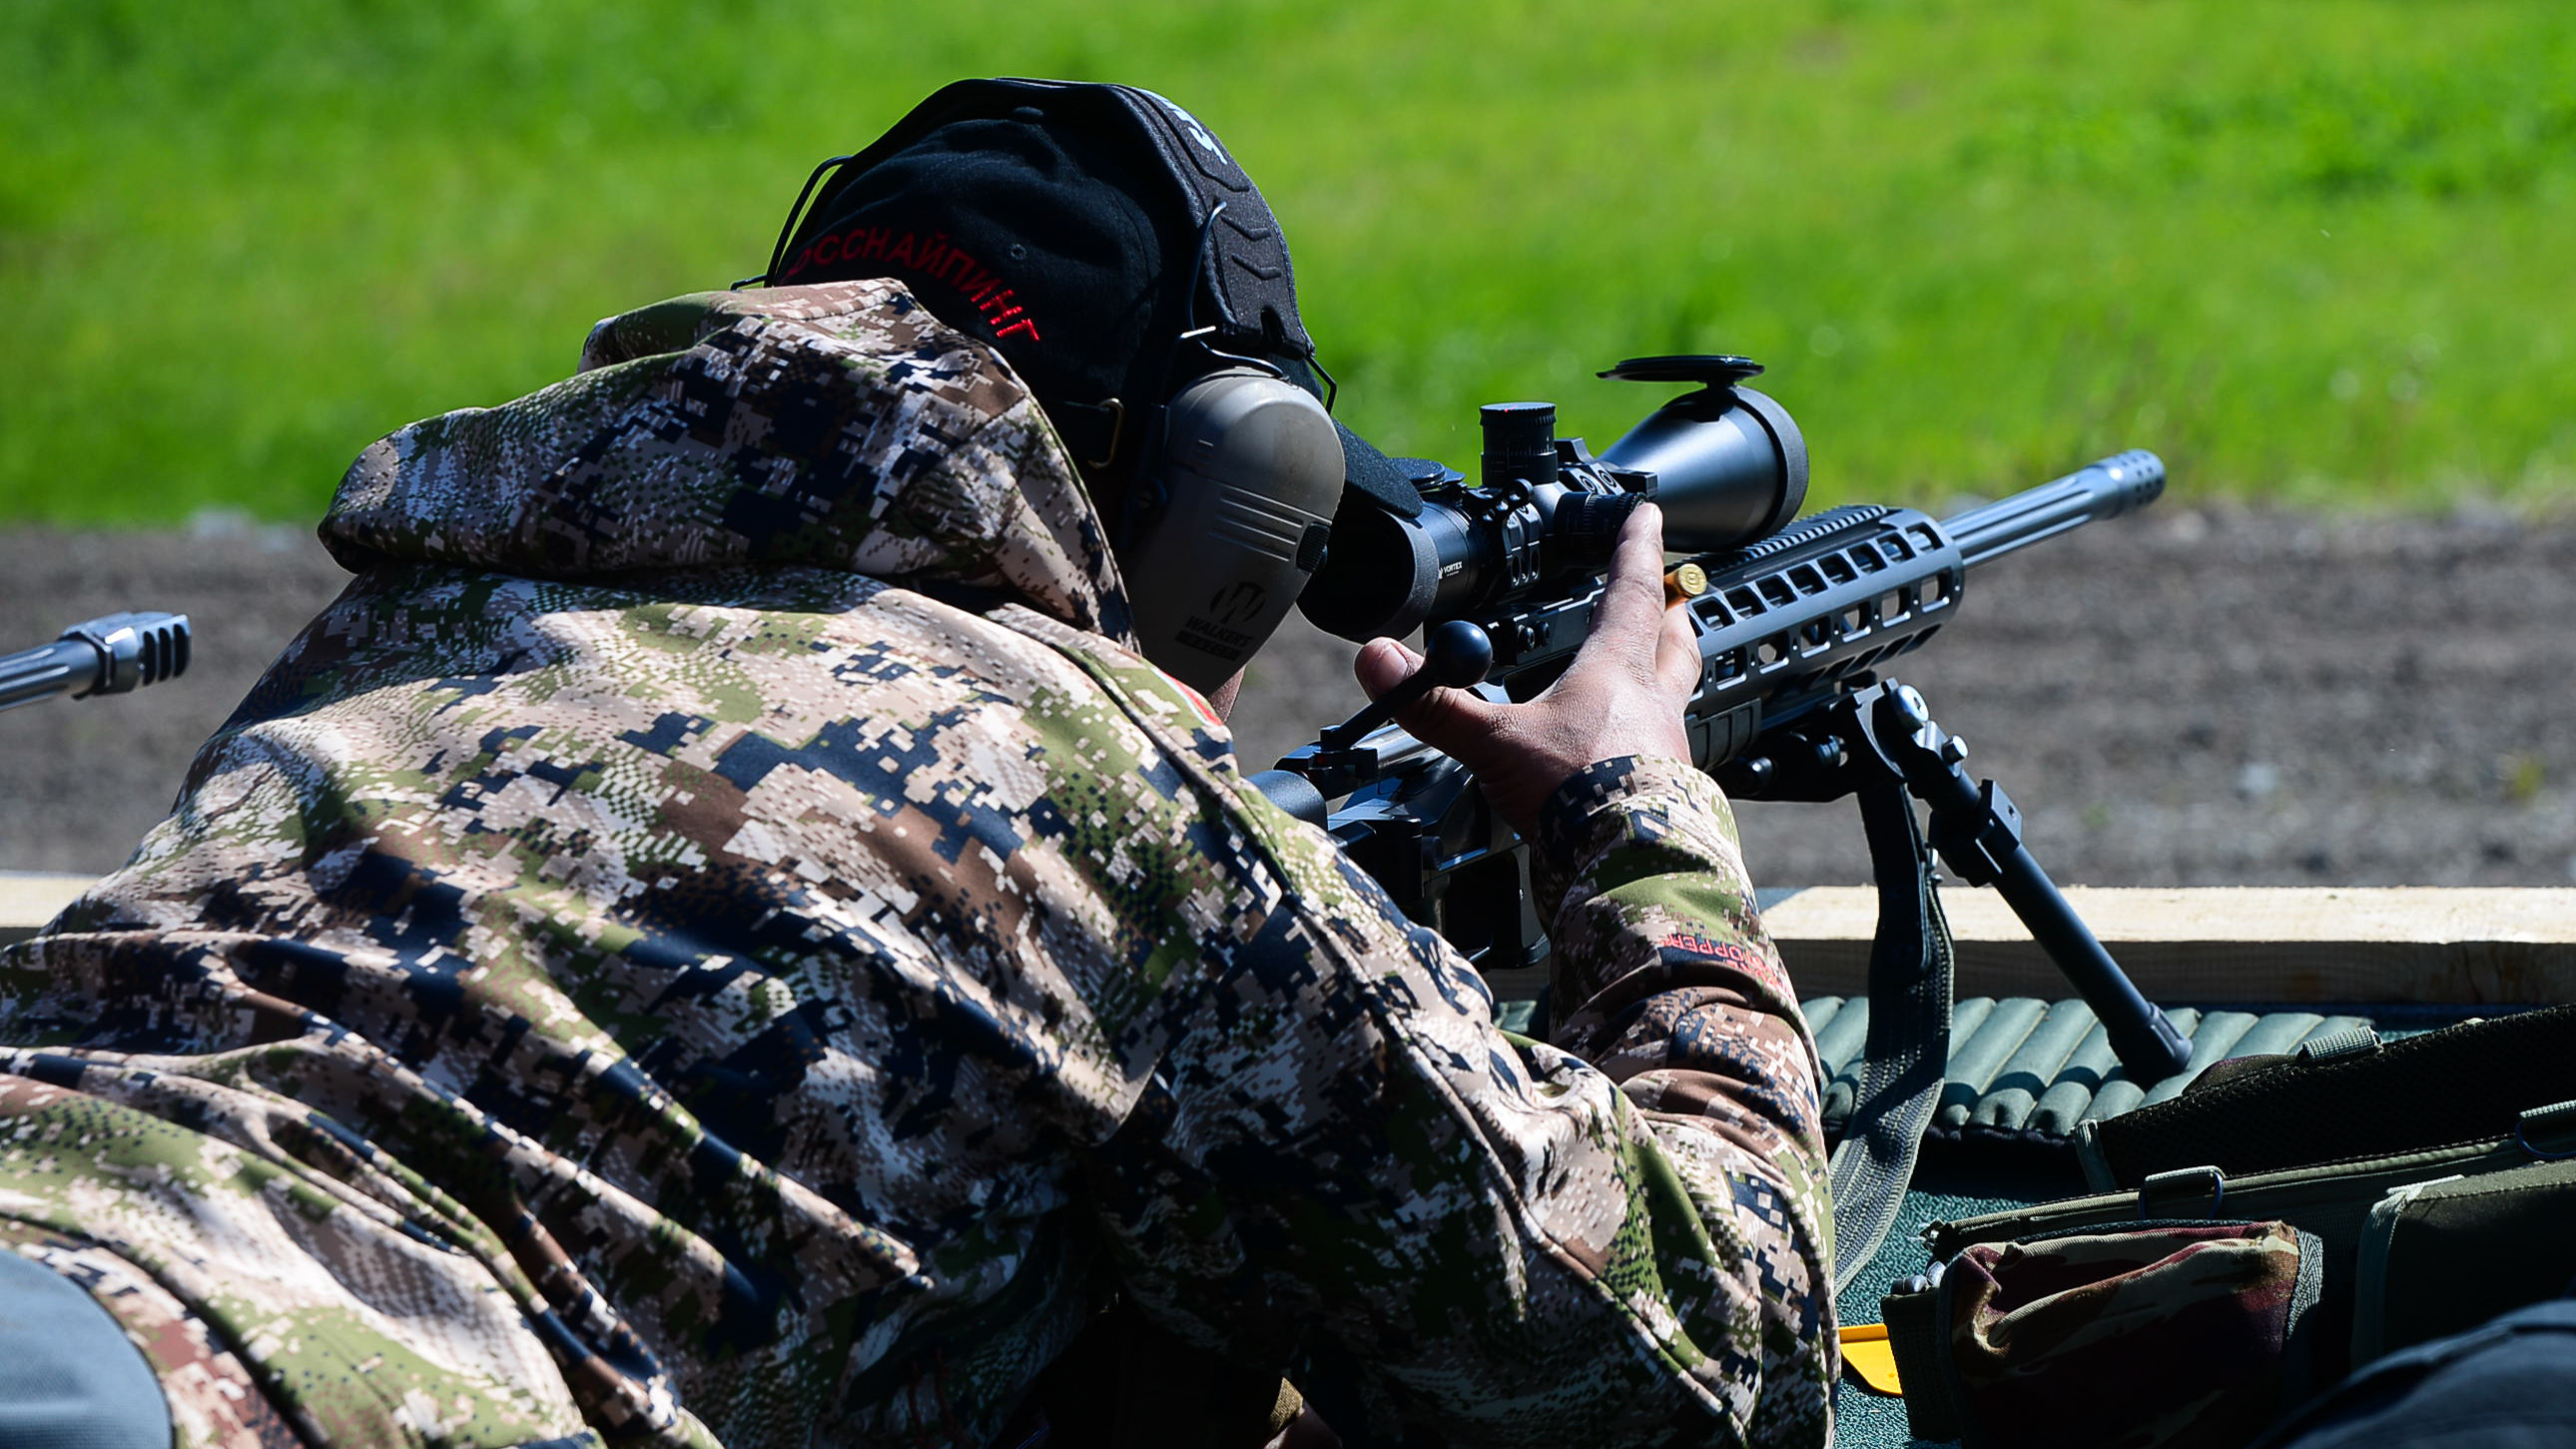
x=1623 y=695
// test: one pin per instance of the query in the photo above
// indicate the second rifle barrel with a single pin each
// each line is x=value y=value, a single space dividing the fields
x=66 y=666
x=2105 y=489
x=110 y=654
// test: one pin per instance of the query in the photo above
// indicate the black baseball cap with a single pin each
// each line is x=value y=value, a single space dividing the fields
x=1081 y=230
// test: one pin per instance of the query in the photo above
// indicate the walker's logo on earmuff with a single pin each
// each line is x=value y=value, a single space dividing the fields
x=931 y=256
x=1215 y=632
x=1238 y=602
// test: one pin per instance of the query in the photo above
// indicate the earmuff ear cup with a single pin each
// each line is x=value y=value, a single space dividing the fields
x=1249 y=469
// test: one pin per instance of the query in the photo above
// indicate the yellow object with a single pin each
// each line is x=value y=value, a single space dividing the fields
x=1684 y=584
x=1866 y=1353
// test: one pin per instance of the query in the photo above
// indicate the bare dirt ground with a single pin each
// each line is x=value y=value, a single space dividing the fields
x=2192 y=696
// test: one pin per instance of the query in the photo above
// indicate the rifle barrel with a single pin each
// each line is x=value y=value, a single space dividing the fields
x=2105 y=489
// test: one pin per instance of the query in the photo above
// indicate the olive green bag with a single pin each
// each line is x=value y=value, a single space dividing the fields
x=2465 y=1210
x=2408 y=1247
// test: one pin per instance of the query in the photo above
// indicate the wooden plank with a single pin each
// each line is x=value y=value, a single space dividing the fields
x=28 y=899
x=2245 y=944
x=2253 y=943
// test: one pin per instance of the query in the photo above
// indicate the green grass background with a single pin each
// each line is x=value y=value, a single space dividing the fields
x=2321 y=252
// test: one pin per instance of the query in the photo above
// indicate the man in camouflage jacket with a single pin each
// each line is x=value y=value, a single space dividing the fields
x=717 y=936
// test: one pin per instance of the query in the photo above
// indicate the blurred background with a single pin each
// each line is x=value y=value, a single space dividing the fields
x=2316 y=254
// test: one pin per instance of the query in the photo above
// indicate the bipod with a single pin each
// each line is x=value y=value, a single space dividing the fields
x=1881 y=736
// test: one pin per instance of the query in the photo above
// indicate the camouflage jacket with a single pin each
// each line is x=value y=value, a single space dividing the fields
x=715 y=936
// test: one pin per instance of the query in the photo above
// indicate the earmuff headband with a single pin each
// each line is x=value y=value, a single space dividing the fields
x=1247 y=268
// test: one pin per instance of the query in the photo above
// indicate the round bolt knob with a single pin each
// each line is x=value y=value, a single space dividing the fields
x=1457 y=654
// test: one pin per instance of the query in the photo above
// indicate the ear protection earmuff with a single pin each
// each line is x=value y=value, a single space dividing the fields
x=1228 y=518
x=1239 y=473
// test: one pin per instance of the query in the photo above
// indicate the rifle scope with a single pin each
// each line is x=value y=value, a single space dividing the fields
x=1725 y=463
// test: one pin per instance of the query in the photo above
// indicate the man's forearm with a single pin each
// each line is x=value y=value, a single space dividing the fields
x=1665 y=979
x=1670 y=987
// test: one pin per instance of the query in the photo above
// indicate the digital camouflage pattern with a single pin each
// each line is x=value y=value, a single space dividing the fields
x=2180 y=1336
x=716 y=937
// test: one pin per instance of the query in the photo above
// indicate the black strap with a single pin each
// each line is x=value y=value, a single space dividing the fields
x=1909 y=1034
x=1381 y=477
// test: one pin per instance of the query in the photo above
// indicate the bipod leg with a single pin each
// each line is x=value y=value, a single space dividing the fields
x=1977 y=829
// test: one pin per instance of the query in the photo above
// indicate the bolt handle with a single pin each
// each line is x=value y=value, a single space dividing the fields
x=1456 y=654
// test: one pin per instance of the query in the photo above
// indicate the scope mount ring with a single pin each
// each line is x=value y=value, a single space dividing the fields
x=1710 y=369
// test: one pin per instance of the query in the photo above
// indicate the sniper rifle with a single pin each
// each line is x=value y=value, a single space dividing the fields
x=1795 y=624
